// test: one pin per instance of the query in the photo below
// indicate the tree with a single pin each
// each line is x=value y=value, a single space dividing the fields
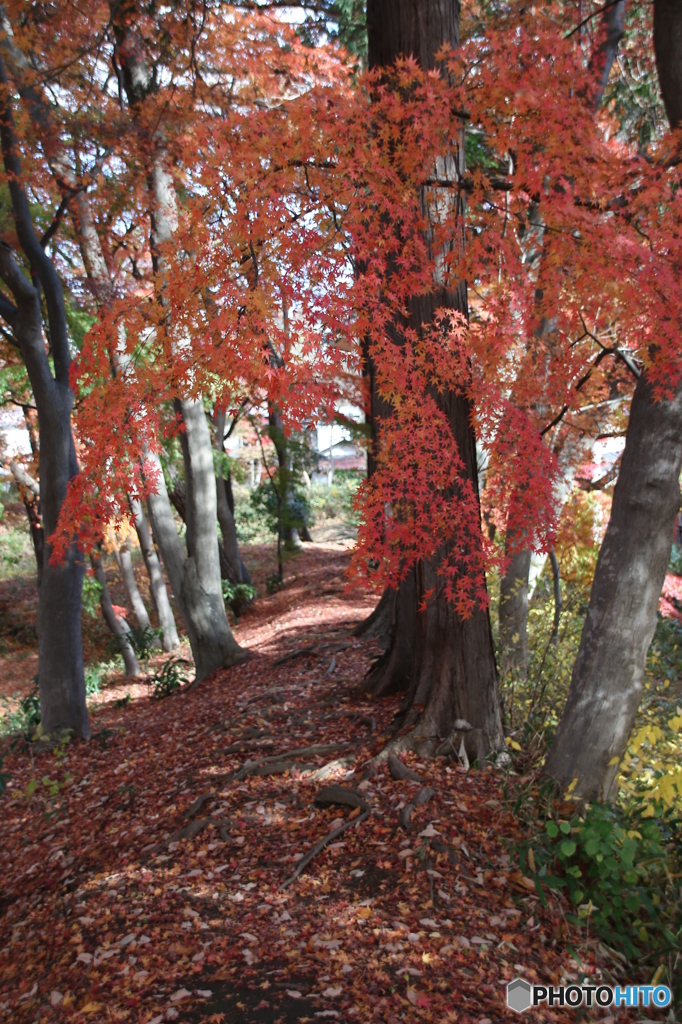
x=60 y=652
x=74 y=196
x=514 y=583
x=445 y=660
x=196 y=578
x=606 y=685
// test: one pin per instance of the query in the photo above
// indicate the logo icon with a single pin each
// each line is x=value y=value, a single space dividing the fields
x=518 y=995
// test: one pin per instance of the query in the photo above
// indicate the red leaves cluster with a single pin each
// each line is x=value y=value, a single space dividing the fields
x=317 y=212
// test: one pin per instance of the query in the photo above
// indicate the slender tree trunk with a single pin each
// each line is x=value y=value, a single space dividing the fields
x=125 y=565
x=515 y=591
x=195 y=579
x=606 y=685
x=157 y=585
x=203 y=611
x=238 y=573
x=60 y=650
x=446 y=662
x=513 y=616
x=290 y=533
x=118 y=627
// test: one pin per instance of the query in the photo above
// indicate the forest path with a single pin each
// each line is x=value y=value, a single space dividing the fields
x=145 y=880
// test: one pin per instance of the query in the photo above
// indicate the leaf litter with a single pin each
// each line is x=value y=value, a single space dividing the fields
x=233 y=854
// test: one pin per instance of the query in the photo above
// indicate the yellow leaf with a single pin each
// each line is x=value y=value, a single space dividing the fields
x=91 y=1007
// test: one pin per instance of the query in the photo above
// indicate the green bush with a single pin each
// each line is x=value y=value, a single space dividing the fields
x=168 y=679
x=238 y=596
x=617 y=869
x=24 y=719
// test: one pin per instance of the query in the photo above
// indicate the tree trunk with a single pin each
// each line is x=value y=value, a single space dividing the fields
x=515 y=589
x=237 y=571
x=447 y=662
x=195 y=579
x=118 y=627
x=290 y=532
x=203 y=611
x=125 y=565
x=606 y=685
x=513 y=618
x=60 y=649
x=157 y=584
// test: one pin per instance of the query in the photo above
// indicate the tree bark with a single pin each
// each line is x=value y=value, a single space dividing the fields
x=118 y=627
x=60 y=650
x=513 y=618
x=238 y=573
x=515 y=591
x=195 y=579
x=157 y=585
x=125 y=565
x=606 y=684
x=446 y=662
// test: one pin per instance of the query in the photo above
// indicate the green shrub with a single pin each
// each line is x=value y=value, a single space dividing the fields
x=238 y=596
x=617 y=869
x=168 y=679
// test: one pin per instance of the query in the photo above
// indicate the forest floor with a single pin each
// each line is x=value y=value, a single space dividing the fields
x=147 y=874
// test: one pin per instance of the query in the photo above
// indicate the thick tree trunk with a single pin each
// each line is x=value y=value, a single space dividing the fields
x=118 y=627
x=513 y=617
x=606 y=685
x=125 y=565
x=447 y=662
x=157 y=585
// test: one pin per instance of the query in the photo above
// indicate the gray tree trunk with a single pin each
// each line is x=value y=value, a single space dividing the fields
x=60 y=651
x=238 y=573
x=203 y=612
x=157 y=584
x=513 y=616
x=125 y=565
x=606 y=685
x=514 y=588
x=118 y=627
x=195 y=579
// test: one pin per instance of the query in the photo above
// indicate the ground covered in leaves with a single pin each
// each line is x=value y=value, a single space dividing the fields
x=149 y=876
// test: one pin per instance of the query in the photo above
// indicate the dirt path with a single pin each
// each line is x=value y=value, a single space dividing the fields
x=151 y=886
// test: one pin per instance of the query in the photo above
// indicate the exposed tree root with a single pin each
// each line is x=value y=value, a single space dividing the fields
x=400 y=771
x=331 y=795
x=419 y=800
